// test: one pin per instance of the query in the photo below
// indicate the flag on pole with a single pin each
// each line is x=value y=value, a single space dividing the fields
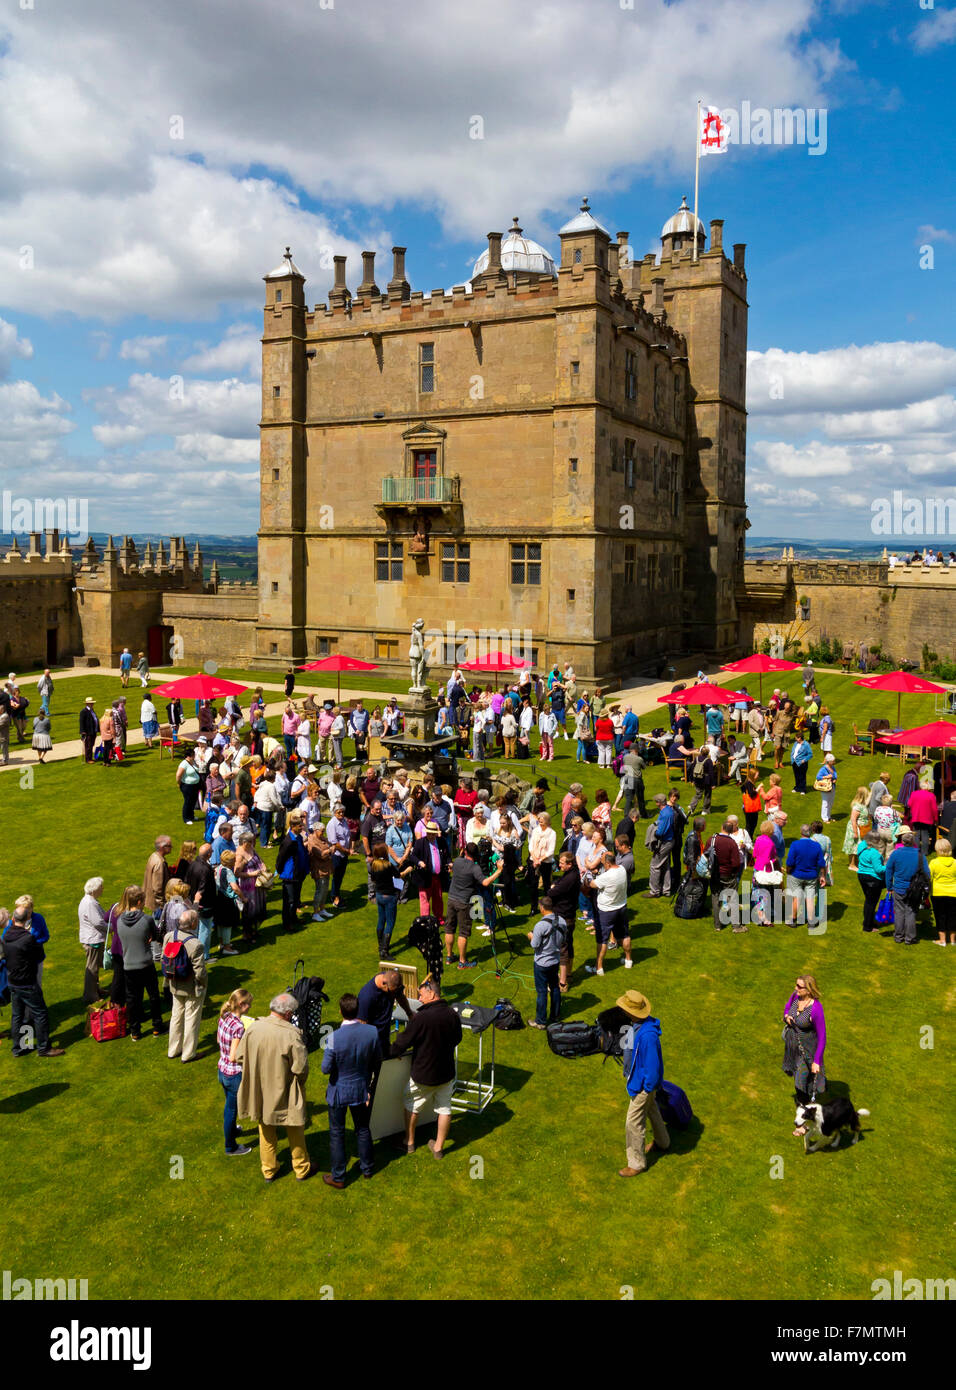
x=712 y=135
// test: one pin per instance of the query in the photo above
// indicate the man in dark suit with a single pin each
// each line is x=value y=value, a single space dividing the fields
x=351 y=1059
x=89 y=728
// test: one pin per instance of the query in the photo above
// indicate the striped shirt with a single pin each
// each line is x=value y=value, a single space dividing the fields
x=230 y=1026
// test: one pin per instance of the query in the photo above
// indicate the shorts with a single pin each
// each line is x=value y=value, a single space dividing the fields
x=418 y=1096
x=779 y=740
x=801 y=890
x=560 y=715
x=458 y=915
x=567 y=945
x=610 y=923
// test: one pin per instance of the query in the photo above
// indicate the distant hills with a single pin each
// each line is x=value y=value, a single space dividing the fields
x=771 y=548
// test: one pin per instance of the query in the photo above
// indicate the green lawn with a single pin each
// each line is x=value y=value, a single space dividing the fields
x=90 y=1139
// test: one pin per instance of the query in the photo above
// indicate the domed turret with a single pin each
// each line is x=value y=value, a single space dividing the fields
x=677 y=233
x=520 y=254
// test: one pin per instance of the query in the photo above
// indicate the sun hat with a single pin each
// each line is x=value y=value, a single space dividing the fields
x=89 y=700
x=635 y=1004
x=432 y=828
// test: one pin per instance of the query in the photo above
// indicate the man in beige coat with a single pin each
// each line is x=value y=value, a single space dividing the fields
x=275 y=1065
x=189 y=992
x=156 y=875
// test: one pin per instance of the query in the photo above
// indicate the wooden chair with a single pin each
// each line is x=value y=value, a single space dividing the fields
x=167 y=739
x=676 y=766
x=864 y=740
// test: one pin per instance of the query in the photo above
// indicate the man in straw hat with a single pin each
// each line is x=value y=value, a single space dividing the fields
x=89 y=728
x=643 y=1073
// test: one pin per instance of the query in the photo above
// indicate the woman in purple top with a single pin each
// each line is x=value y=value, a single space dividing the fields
x=804 y=1040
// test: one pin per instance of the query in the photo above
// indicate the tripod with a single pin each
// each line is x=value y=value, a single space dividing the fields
x=500 y=971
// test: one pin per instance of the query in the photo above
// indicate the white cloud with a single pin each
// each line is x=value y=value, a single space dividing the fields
x=11 y=346
x=142 y=349
x=123 y=216
x=240 y=351
x=154 y=406
x=930 y=233
x=813 y=460
x=871 y=376
x=214 y=448
x=938 y=28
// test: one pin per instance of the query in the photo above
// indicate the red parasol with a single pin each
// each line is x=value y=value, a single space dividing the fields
x=339 y=663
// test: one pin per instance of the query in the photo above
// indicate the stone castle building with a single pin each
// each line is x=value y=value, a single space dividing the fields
x=553 y=449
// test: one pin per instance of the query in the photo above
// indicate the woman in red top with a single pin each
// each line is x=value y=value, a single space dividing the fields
x=604 y=735
x=465 y=798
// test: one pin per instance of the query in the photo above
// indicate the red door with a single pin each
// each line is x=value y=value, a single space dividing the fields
x=425 y=466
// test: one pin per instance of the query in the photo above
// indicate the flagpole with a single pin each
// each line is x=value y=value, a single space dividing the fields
x=696 y=182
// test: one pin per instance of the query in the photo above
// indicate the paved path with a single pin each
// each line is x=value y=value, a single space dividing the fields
x=22 y=755
x=642 y=697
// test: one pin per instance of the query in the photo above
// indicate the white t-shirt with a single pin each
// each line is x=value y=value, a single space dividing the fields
x=612 y=888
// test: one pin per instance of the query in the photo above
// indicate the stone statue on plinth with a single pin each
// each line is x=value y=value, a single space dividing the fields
x=417 y=660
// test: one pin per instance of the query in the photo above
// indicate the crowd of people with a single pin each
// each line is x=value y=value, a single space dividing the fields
x=315 y=794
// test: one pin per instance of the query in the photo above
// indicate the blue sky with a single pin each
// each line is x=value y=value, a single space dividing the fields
x=157 y=160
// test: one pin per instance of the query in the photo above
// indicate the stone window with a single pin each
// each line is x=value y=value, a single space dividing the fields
x=572 y=465
x=324 y=645
x=386 y=649
x=275 y=475
x=388 y=561
x=275 y=586
x=570 y=596
x=630 y=469
x=526 y=563
x=278 y=296
x=630 y=376
x=577 y=256
x=653 y=571
x=456 y=562
x=426 y=368
x=273 y=648
x=575 y=368
x=630 y=563
x=276 y=392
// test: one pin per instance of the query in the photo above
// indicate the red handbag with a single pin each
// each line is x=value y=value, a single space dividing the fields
x=107 y=1023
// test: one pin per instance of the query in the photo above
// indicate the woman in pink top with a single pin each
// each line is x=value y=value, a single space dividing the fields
x=765 y=864
x=773 y=796
x=922 y=812
x=290 y=727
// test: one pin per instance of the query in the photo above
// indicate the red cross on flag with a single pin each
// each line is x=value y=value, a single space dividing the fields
x=712 y=138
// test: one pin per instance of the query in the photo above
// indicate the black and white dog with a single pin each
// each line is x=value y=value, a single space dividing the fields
x=825 y=1120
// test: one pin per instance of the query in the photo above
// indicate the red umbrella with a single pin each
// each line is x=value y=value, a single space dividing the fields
x=703 y=694
x=495 y=662
x=199 y=687
x=939 y=734
x=759 y=665
x=904 y=684
x=339 y=663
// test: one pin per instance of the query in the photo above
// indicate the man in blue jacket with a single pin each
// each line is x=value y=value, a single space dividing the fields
x=661 y=837
x=351 y=1060
x=292 y=865
x=800 y=756
x=902 y=864
x=643 y=1073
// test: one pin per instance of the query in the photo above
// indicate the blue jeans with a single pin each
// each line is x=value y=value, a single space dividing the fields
x=230 y=1084
x=387 y=911
x=363 y=1136
x=26 y=1001
x=582 y=754
x=265 y=828
x=289 y=741
x=204 y=932
x=545 y=982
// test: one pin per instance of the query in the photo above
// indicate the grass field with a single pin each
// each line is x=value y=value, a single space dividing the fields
x=734 y=1210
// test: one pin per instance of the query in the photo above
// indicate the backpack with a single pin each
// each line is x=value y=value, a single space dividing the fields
x=575 y=1039
x=706 y=865
x=176 y=963
x=919 y=886
x=674 y=1106
x=507 y=1016
x=691 y=898
x=309 y=994
x=699 y=767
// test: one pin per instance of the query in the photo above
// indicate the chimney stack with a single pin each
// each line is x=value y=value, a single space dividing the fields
x=494 y=271
x=740 y=248
x=657 y=295
x=368 y=286
x=717 y=234
x=398 y=286
x=339 y=294
x=52 y=537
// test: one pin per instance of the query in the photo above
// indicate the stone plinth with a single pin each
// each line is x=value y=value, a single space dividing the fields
x=421 y=743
